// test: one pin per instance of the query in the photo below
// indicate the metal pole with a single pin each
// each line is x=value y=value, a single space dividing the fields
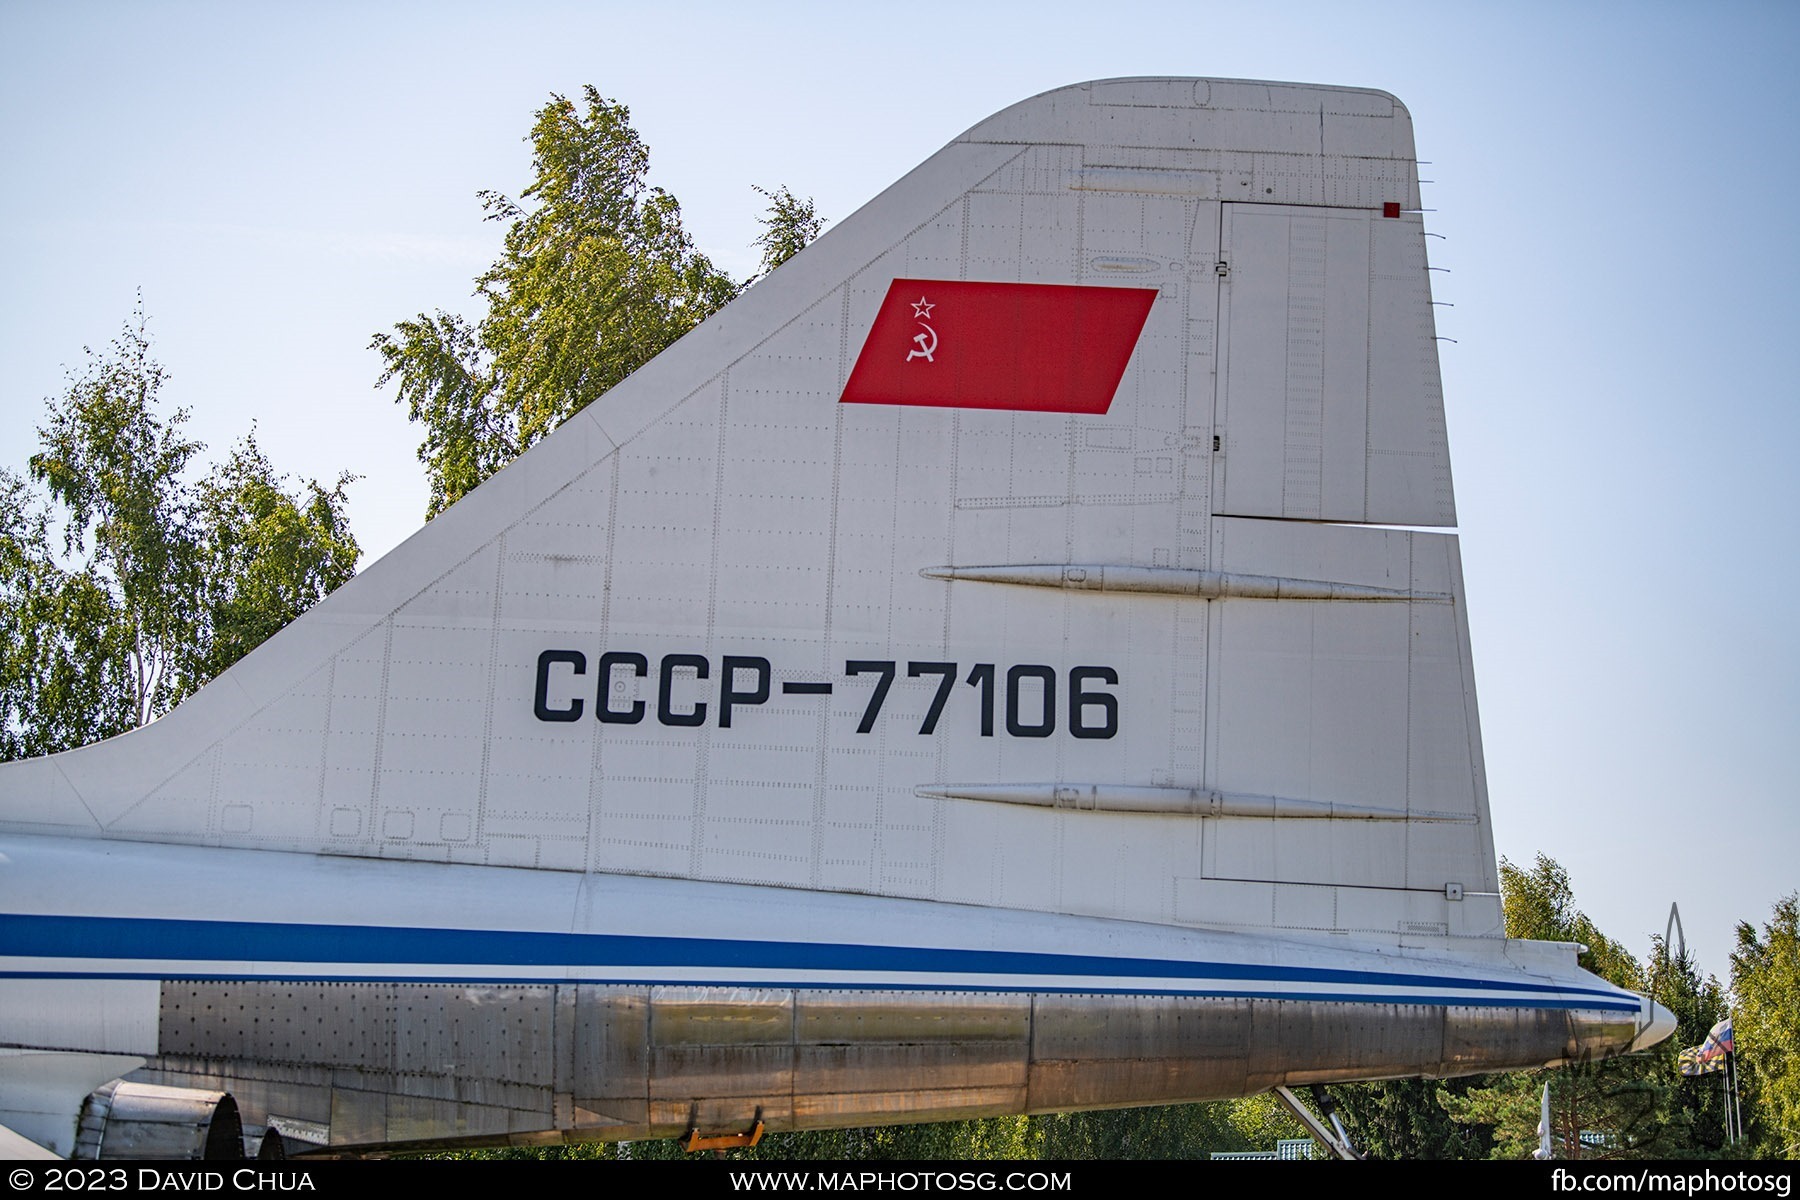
x=1317 y=1129
x=1731 y=1068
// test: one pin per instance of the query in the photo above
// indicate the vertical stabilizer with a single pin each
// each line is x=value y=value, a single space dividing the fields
x=1025 y=541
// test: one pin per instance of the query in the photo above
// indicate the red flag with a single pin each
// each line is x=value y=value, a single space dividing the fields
x=1037 y=347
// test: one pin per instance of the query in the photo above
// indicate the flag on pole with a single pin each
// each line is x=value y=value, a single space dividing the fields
x=1689 y=1062
x=1708 y=1058
x=1718 y=1043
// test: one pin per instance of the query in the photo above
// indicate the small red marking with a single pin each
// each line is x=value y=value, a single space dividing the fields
x=1034 y=347
x=1391 y=209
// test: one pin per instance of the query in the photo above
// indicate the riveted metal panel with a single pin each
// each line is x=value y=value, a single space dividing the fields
x=563 y=1014
x=503 y=1033
x=728 y=1050
x=425 y=1039
x=686 y=1071
x=412 y=1119
x=1361 y=1041
x=692 y=1016
x=833 y=1017
x=1265 y=1062
x=610 y=1072
x=467 y=1031
x=873 y=1068
x=445 y=1085
x=1108 y=1027
x=1477 y=1039
x=439 y=1085
x=1599 y=1034
x=365 y=1014
x=644 y=1061
x=1073 y=1084
x=281 y=1022
x=1088 y=1050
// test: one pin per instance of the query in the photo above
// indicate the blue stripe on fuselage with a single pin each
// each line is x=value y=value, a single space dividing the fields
x=202 y=942
x=1372 y=997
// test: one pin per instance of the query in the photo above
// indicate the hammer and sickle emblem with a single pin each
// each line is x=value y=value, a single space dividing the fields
x=927 y=344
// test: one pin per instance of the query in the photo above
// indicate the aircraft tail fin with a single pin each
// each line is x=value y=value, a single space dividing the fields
x=1025 y=541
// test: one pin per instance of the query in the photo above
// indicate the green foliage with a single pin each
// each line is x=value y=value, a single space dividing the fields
x=1507 y=1106
x=449 y=388
x=597 y=277
x=1540 y=906
x=1163 y=1132
x=115 y=467
x=1406 y=1119
x=1619 y=1098
x=1694 y=1112
x=574 y=1151
x=1184 y=1131
x=1260 y=1121
x=791 y=224
x=975 y=1140
x=156 y=583
x=980 y=1139
x=1638 y=1104
x=1765 y=979
x=65 y=669
x=1178 y=1131
x=266 y=556
x=1623 y=1100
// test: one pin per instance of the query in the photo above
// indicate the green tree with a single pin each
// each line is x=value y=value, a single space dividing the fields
x=1185 y=1131
x=65 y=670
x=1694 y=1114
x=1765 y=980
x=124 y=584
x=789 y=227
x=1162 y=1132
x=115 y=468
x=1406 y=1119
x=1639 y=1103
x=1540 y=905
x=597 y=276
x=1625 y=1100
x=984 y=1138
x=266 y=555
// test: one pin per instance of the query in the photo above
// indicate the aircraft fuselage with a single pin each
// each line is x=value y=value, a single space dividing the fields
x=377 y=1003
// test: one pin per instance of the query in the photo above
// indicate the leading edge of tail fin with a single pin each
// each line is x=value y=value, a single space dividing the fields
x=1013 y=544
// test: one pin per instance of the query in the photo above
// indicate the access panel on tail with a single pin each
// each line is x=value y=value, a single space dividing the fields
x=991 y=621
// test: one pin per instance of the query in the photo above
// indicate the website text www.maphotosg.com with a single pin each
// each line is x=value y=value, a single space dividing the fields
x=901 y=1181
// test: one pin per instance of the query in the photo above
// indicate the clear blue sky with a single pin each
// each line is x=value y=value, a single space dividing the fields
x=1614 y=182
